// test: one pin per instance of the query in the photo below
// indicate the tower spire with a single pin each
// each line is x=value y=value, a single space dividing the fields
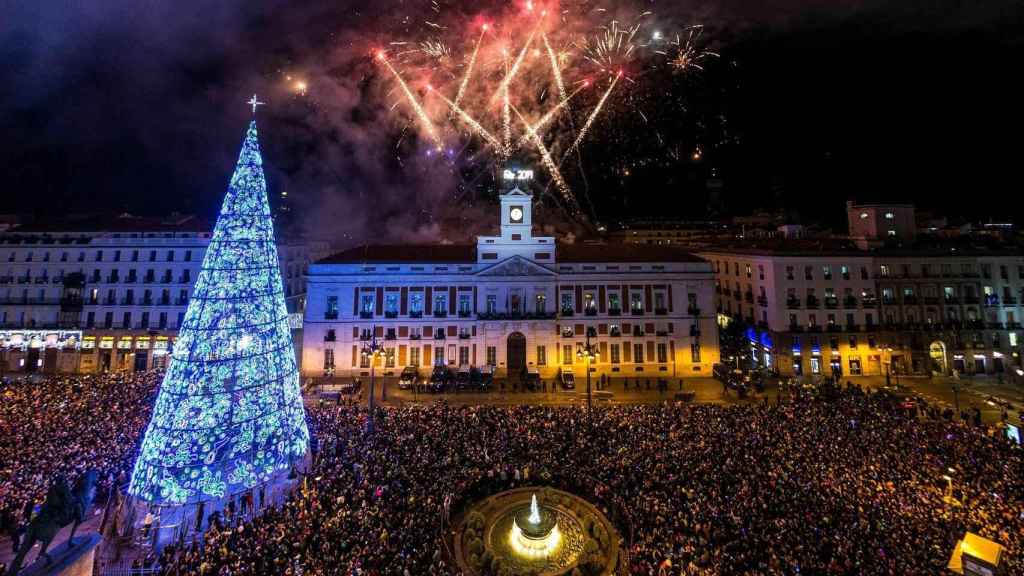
x=229 y=414
x=254 y=102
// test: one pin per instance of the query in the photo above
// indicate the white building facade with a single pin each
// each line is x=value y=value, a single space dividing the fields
x=512 y=303
x=854 y=312
x=108 y=297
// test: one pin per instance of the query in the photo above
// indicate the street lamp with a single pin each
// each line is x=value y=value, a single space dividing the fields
x=372 y=350
x=588 y=353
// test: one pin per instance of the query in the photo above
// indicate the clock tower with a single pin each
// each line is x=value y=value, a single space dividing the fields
x=516 y=218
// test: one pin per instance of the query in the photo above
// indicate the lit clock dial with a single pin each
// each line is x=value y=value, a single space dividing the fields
x=516 y=214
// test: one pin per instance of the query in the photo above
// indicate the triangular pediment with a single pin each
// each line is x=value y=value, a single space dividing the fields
x=516 y=266
x=517 y=192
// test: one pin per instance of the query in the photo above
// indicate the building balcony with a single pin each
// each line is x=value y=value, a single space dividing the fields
x=590 y=311
x=831 y=303
x=971 y=300
x=42 y=280
x=615 y=311
x=814 y=328
x=615 y=333
x=391 y=314
x=762 y=300
x=365 y=336
x=416 y=314
x=834 y=328
x=365 y=314
x=991 y=301
x=149 y=302
x=661 y=311
x=870 y=302
x=184 y=302
x=637 y=312
x=909 y=300
x=465 y=313
x=793 y=303
x=330 y=315
x=149 y=280
x=415 y=336
x=638 y=332
x=849 y=302
x=464 y=335
x=566 y=312
x=439 y=336
x=812 y=302
x=693 y=311
x=440 y=313
x=796 y=328
x=852 y=328
x=390 y=335
x=25 y=280
x=330 y=337
x=164 y=302
x=568 y=333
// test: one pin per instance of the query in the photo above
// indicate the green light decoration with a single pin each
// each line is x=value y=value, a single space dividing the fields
x=229 y=414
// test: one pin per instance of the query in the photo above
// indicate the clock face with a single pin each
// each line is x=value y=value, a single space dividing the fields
x=516 y=214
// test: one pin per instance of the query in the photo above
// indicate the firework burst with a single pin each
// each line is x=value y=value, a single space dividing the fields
x=530 y=63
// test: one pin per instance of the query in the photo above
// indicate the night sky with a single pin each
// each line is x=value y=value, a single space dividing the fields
x=138 y=105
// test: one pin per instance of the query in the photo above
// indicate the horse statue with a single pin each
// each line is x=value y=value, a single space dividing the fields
x=63 y=506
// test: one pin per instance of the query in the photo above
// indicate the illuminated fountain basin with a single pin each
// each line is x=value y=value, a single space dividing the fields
x=545 y=537
x=534 y=534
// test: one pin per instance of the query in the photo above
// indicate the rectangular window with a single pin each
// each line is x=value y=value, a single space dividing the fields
x=492 y=356
x=662 y=353
x=760 y=271
x=567 y=354
x=364 y=361
x=789 y=273
x=366 y=304
x=613 y=301
x=328 y=359
x=636 y=302
x=567 y=303
x=638 y=353
x=826 y=271
x=391 y=304
x=416 y=304
x=438 y=355
x=492 y=304
x=542 y=356
x=440 y=304
x=463 y=355
x=615 y=353
x=808 y=273
x=540 y=304
x=695 y=352
x=414 y=356
x=331 y=313
x=465 y=305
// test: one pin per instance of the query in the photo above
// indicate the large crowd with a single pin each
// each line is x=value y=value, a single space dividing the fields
x=62 y=426
x=851 y=485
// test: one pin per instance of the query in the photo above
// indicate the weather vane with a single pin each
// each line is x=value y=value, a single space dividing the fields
x=254 y=103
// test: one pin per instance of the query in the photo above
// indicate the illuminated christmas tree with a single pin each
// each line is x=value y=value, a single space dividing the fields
x=229 y=415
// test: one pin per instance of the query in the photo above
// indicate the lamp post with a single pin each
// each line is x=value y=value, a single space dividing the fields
x=372 y=350
x=588 y=353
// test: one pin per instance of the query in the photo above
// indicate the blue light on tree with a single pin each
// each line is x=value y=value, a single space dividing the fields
x=229 y=414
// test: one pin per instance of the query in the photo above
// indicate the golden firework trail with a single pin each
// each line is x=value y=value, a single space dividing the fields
x=470 y=121
x=469 y=67
x=549 y=115
x=510 y=74
x=590 y=119
x=506 y=115
x=554 y=67
x=420 y=113
x=545 y=157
